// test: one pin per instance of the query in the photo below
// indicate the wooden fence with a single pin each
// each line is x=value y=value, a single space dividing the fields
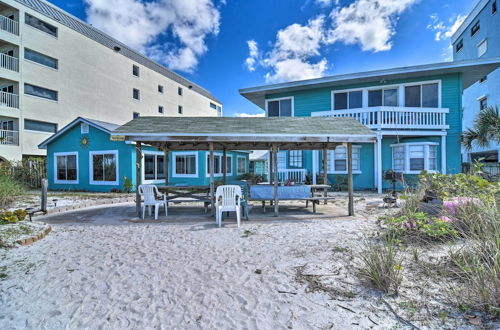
x=489 y=171
x=29 y=172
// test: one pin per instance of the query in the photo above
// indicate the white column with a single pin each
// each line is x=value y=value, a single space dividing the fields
x=314 y=165
x=379 y=163
x=375 y=159
x=443 y=153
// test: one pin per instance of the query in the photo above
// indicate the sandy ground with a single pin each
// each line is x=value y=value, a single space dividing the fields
x=191 y=275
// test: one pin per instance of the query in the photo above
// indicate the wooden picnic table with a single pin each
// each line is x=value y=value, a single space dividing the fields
x=187 y=194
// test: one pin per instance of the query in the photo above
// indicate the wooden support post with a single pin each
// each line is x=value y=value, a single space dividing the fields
x=138 y=161
x=224 y=165
x=275 y=174
x=349 y=179
x=167 y=161
x=271 y=167
x=43 y=202
x=212 y=183
x=325 y=172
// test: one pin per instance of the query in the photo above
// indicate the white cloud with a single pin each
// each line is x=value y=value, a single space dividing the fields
x=253 y=55
x=296 y=52
x=293 y=53
x=244 y=114
x=369 y=23
x=445 y=31
x=138 y=24
x=327 y=3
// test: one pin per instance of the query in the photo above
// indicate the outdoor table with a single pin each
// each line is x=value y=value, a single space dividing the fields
x=187 y=194
x=318 y=187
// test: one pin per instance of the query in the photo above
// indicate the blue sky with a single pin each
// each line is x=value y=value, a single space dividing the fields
x=224 y=45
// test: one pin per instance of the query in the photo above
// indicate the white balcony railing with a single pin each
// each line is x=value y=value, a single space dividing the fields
x=9 y=25
x=9 y=100
x=9 y=62
x=293 y=175
x=9 y=137
x=394 y=117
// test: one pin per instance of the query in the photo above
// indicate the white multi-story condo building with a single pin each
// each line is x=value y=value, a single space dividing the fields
x=55 y=67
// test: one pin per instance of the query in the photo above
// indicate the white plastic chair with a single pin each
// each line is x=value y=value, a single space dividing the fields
x=227 y=199
x=151 y=194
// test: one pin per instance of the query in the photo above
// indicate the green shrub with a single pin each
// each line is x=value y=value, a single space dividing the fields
x=9 y=189
x=448 y=185
x=382 y=265
x=20 y=214
x=254 y=179
x=419 y=225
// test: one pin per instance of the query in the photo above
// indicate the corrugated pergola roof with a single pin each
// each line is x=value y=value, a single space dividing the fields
x=234 y=133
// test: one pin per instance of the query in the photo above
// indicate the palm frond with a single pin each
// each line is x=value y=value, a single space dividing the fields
x=486 y=129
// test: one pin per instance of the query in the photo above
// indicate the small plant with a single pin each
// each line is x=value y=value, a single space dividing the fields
x=9 y=188
x=382 y=265
x=254 y=179
x=127 y=184
x=12 y=217
x=418 y=224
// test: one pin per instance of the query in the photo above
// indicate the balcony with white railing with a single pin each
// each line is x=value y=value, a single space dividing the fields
x=8 y=137
x=393 y=117
x=9 y=100
x=9 y=62
x=9 y=25
x=292 y=175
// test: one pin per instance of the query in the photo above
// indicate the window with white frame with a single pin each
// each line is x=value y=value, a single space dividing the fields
x=66 y=167
x=482 y=47
x=422 y=96
x=84 y=128
x=337 y=160
x=348 y=100
x=242 y=165
x=104 y=167
x=413 y=158
x=280 y=107
x=229 y=165
x=383 y=97
x=185 y=164
x=217 y=164
x=483 y=103
x=295 y=158
x=154 y=168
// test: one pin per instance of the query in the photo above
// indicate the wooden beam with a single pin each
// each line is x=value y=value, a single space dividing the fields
x=212 y=182
x=224 y=165
x=252 y=138
x=138 y=161
x=349 y=179
x=325 y=172
x=275 y=174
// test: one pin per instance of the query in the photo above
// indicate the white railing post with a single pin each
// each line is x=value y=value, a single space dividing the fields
x=9 y=100
x=8 y=137
x=9 y=25
x=9 y=62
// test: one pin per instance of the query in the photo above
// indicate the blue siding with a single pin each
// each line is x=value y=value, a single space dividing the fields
x=70 y=141
x=319 y=99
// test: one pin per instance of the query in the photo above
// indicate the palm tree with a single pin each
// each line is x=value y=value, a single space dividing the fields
x=486 y=129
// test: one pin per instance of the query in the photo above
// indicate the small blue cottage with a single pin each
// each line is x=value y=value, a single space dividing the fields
x=81 y=157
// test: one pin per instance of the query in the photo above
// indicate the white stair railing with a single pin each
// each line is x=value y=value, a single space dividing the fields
x=9 y=62
x=9 y=137
x=293 y=175
x=9 y=25
x=9 y=100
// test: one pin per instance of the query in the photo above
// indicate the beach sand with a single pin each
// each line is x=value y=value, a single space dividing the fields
x=191 y=275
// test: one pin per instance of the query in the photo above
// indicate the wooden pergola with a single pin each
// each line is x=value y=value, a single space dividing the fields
x=234 y=133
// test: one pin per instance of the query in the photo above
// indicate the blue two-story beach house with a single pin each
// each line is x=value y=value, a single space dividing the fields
x=415 y=111
x=81 y=157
